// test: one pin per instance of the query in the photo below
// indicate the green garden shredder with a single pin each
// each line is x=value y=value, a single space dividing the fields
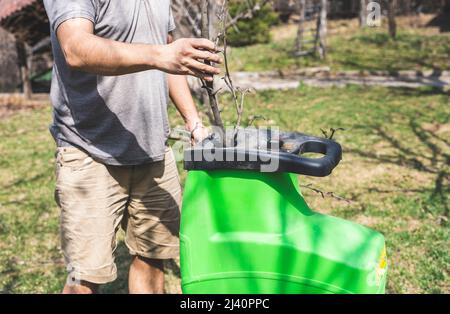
x=246 y=230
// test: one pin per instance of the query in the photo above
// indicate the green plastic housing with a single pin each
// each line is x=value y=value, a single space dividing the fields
x=252 y=232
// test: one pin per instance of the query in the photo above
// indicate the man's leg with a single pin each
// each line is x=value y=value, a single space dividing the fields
x=152 y=223
x=92 y=198
x=83 y=287
x=146 y=276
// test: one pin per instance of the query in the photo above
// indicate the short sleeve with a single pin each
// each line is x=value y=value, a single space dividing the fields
x=59 y=11
x=172 y=25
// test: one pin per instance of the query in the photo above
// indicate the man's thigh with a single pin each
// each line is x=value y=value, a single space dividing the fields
x=92 y=198
x=153 y=220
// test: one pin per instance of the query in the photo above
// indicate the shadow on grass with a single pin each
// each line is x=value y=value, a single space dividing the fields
x=431 y=156
x=422 y=52
x=25 y=180
x=418 y=92
x=10 y=269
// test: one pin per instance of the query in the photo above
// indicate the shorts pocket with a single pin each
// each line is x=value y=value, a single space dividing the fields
x=74 y=159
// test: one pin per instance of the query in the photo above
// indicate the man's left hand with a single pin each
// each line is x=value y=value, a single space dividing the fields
x=198 y=132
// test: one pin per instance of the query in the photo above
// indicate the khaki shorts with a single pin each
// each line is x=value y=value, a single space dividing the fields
x=96 y=199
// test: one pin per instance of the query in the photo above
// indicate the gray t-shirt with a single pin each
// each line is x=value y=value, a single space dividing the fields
x=118 y=120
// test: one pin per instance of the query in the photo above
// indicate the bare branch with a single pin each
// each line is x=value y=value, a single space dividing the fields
x=213 y=102
x=255 y=118
x=333 y=132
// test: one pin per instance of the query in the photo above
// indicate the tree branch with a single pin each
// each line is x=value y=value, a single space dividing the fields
x=210 y=85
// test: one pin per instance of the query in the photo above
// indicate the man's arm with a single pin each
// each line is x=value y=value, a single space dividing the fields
x=182 y=98
x=87 y=52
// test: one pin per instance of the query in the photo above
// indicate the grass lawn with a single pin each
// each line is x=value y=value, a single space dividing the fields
x=368 y=49
x=395 y=174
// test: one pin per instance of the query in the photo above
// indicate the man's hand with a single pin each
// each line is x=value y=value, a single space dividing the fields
x=198 y=132
x=184 y=56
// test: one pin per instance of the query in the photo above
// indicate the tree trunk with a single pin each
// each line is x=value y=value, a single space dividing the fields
x=206 y=33
x=301 y=26
x=391 y=18
x=363 y=13
x=321 y=47
x=22 y=58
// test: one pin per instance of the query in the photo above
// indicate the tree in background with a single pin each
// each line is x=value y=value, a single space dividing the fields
x=310 y=11
x=363 y=13
x=255 y=29
x=249 y=21
x=321 y=47
x=23 y=59
x=301 y=25
x=9 y=71
x=391 y=6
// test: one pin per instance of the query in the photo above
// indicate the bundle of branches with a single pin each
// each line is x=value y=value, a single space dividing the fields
x=224 y=21
x=211 y=19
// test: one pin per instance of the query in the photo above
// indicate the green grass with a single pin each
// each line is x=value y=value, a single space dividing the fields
x=368 y=49
x=395 y=172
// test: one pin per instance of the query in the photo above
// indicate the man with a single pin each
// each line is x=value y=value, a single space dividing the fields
x=109 y=94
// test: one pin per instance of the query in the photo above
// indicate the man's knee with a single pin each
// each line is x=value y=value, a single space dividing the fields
x=149 y=263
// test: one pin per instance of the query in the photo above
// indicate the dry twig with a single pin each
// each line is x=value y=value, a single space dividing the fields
x=325 y=194
x=332 y=132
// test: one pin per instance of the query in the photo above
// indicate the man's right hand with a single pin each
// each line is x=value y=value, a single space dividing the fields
x=186 y=56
